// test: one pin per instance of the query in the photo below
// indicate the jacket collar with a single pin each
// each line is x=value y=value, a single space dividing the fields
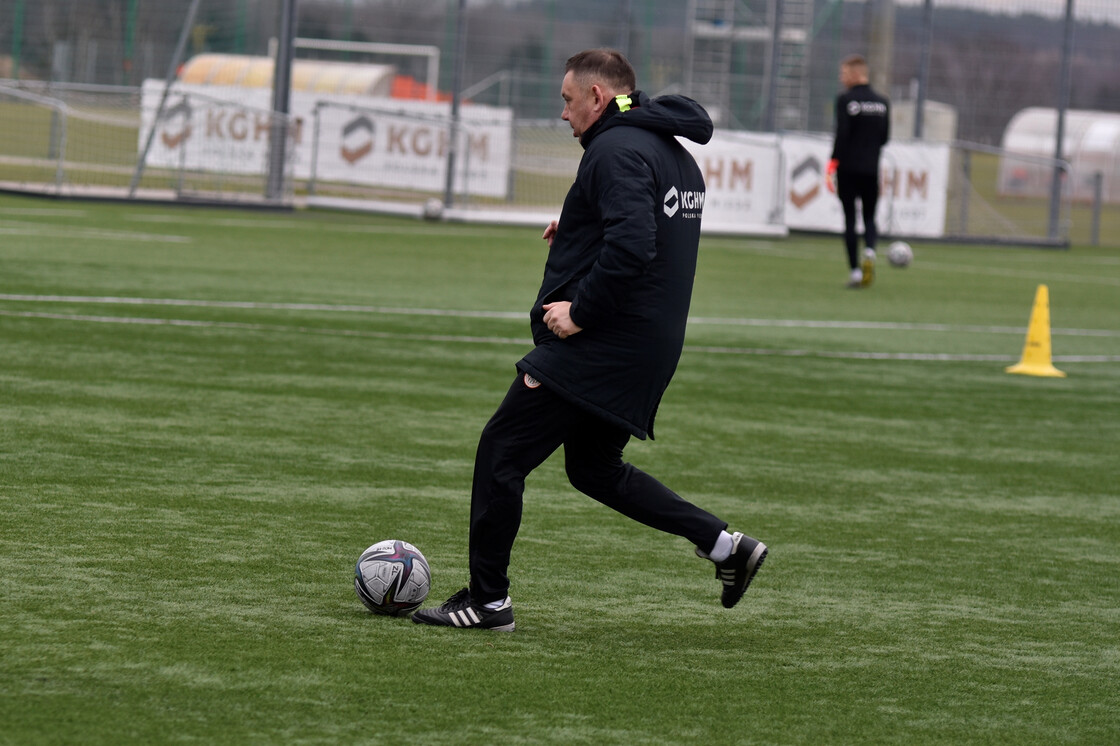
x=618 y=105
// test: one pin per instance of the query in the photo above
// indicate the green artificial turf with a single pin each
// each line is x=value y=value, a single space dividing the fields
x=185 y=487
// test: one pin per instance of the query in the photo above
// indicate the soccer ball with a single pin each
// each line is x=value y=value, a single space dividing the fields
x=899 y=254
x=392 y=577
x=433 y=209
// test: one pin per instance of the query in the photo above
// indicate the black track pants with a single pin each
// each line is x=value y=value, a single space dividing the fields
x=865 y=187
x=529 y=425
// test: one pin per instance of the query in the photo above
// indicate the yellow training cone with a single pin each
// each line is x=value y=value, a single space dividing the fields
x=1036 y=352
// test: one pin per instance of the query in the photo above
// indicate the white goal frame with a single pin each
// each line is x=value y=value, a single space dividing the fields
x=431 y=53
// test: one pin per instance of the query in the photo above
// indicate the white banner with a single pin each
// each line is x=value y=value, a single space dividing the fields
x=408 y=147
x=743 y=193
x=361 y=140
x=914 y=187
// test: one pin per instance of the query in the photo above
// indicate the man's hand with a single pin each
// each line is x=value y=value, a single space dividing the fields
x=550 y=232
x=558 y=319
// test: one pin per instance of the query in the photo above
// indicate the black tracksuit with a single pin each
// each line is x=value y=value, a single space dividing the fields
x=624 y=254
x=862 y=129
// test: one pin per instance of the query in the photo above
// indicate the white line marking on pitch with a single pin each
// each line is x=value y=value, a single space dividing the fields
x=521 y=315
x=1032 y=275
x=918 y=356
x=896 y=326
x=474 y=231
x=16 y=228
x=253 y=305
x=262 y=327
x=55 y=212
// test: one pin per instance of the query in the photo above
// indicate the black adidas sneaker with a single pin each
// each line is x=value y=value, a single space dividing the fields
x=460 y=611
x=737 y=571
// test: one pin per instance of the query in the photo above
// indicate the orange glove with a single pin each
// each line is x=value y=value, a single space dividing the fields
x=830 y=174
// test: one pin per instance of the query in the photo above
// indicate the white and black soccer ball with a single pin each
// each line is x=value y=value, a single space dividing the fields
x=433 y=209
x=392 y=577
x=899 y=254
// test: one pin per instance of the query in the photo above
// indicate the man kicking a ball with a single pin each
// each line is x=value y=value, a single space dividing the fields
x=608 y=327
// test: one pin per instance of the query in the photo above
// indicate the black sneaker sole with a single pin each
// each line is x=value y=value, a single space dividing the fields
x=463 y=619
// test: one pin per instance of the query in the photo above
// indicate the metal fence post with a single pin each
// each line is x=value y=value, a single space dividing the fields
x=180 y=177
x=966 y=189
x=923 y=70
x=316 y=113
x=456 y=86
x=771 y=113
x=1098 y=194
x=281 y=97
x=60 y=173
x=1064 y=85
x=52 y=143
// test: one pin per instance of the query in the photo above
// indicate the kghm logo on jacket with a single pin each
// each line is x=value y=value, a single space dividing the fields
x=855 y=108
x=690 y=203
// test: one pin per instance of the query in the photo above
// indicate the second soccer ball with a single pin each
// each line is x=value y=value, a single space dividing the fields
x=899 y=254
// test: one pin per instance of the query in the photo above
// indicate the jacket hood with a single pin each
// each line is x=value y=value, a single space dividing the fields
x=675 y=116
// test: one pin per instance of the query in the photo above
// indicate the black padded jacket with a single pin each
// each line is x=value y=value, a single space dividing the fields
x=624 y=254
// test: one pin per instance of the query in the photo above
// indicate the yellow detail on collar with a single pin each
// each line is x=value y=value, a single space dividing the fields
x=624 y=102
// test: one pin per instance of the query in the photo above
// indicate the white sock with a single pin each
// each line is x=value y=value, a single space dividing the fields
x=857 y=275
x=869 y=252
x=722 y=548
x=495 y=605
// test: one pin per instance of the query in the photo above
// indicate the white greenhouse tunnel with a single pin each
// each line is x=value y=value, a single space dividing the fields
x=1091 y=145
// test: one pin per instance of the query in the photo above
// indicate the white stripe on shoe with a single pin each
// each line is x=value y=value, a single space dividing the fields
x=465 y=617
